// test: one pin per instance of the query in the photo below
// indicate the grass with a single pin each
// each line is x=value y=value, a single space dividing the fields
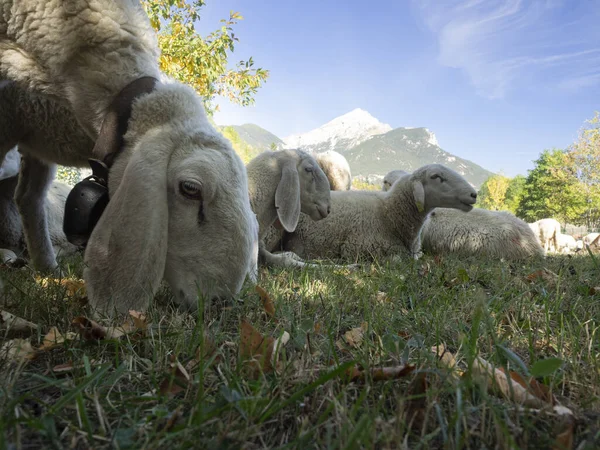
x=112 y=398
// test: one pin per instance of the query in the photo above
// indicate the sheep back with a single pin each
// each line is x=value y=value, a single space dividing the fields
x=493 y=234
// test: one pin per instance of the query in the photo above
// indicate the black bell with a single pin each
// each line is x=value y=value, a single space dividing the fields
x=85 y=204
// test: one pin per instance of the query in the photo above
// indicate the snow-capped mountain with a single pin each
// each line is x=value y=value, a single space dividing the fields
x=340 y=134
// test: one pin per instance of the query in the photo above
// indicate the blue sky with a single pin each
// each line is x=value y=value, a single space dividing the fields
x=496 y=81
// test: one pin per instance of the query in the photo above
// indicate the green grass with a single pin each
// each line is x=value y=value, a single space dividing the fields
x=474 y=307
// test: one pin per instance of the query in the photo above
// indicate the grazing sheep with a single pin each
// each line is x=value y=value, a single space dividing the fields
x=391 y=178
x=370 y=224
x=591 y=239
x=337 y=169
x=567 y=244
x=491 y=234
x=547 y=232
x=11 y=229
x=179 y=205
x=283 y=184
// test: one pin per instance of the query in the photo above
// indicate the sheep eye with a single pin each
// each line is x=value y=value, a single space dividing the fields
x=309 y=169
x=190 y=190
x=433 y=177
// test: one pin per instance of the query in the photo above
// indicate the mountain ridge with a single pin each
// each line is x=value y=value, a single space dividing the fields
x=372 y=148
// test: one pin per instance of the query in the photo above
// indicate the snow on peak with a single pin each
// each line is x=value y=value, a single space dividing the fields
x=349 y=130
x=432 y=139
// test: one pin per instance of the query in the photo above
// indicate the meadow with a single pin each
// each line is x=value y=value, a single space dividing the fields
x=320 y=358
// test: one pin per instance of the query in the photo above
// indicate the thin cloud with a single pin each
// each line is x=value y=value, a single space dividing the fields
x=498 y=43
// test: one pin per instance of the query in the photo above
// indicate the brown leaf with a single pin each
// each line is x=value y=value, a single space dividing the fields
x=54 y=338
x=595 y=290
x=15 y=325
x=88 y=329
x=532 y=386
x=256 y=349
x=542 y=275
x=266 y=301
x=317 y=327
x=508 y=387
x=173 y=418
x=140 y=321
x=17 y=350
x=380 y=373
x=354 y=337
x=564 y=440
x=178 y=380
x=73 y=287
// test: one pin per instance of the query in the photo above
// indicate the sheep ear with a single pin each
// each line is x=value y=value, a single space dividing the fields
x=126 y=253
x=287 y=197
x=419 y=195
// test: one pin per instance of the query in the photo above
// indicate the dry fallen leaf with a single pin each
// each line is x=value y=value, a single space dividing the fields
x=355 y=336
x=380 y=373
x=564 y=440
x=424 y=270
x=69 y=366
x=259 y=351
x=544 y=275
x=178 y=380
x=595 y=290
x=88 y=329
x=417 y=404
x=54 y=338
x=73 y=287
x=532 y=386
x=17 y=350
x=10 y=324
x=256 y=349
x=266 y=301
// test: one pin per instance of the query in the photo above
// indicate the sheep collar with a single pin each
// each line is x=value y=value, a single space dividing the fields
x=88 y=198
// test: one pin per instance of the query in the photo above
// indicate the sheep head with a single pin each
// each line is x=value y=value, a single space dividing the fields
x=303 y=187
x=178 y=209
x=391 y=178
x=437 y=186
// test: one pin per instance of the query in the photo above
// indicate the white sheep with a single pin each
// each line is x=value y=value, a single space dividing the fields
x=568 y=244
x=591 y=239
x=391 y=178
x=371 y=224
x=11 y=229
x=179 y=205
x=337 y=169
x=283 y=184
x=547 y=232
x=491 y=234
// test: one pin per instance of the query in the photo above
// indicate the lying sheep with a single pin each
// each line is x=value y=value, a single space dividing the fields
x=547 y=232
x=491 y=234
x=337 y=169
x=370 y=224
x=179 y=204
x=391 y=178
x=283 y=184
x=568 y=244
x=11 y=229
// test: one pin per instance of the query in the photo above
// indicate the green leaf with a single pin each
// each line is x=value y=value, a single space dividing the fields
x=545 y=367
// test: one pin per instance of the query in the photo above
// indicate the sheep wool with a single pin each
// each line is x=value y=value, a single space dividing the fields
x=370 y=224
x=490 y=234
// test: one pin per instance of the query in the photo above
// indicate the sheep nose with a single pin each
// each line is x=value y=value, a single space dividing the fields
x=474 y=195
x=328 y=210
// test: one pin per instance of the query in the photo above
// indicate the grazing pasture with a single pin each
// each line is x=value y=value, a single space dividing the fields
x=314 y=358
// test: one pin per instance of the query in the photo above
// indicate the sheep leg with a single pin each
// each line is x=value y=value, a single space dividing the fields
x=34 y=181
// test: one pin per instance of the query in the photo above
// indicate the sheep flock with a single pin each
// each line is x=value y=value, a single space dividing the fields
x=170 y=199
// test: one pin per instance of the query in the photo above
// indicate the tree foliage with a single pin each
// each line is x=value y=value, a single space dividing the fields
x=552 y=189
x=585 y=160
x=202 y=62
x=514 y=193
x=493 y=193
x=68 y=175
x=242 y=148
